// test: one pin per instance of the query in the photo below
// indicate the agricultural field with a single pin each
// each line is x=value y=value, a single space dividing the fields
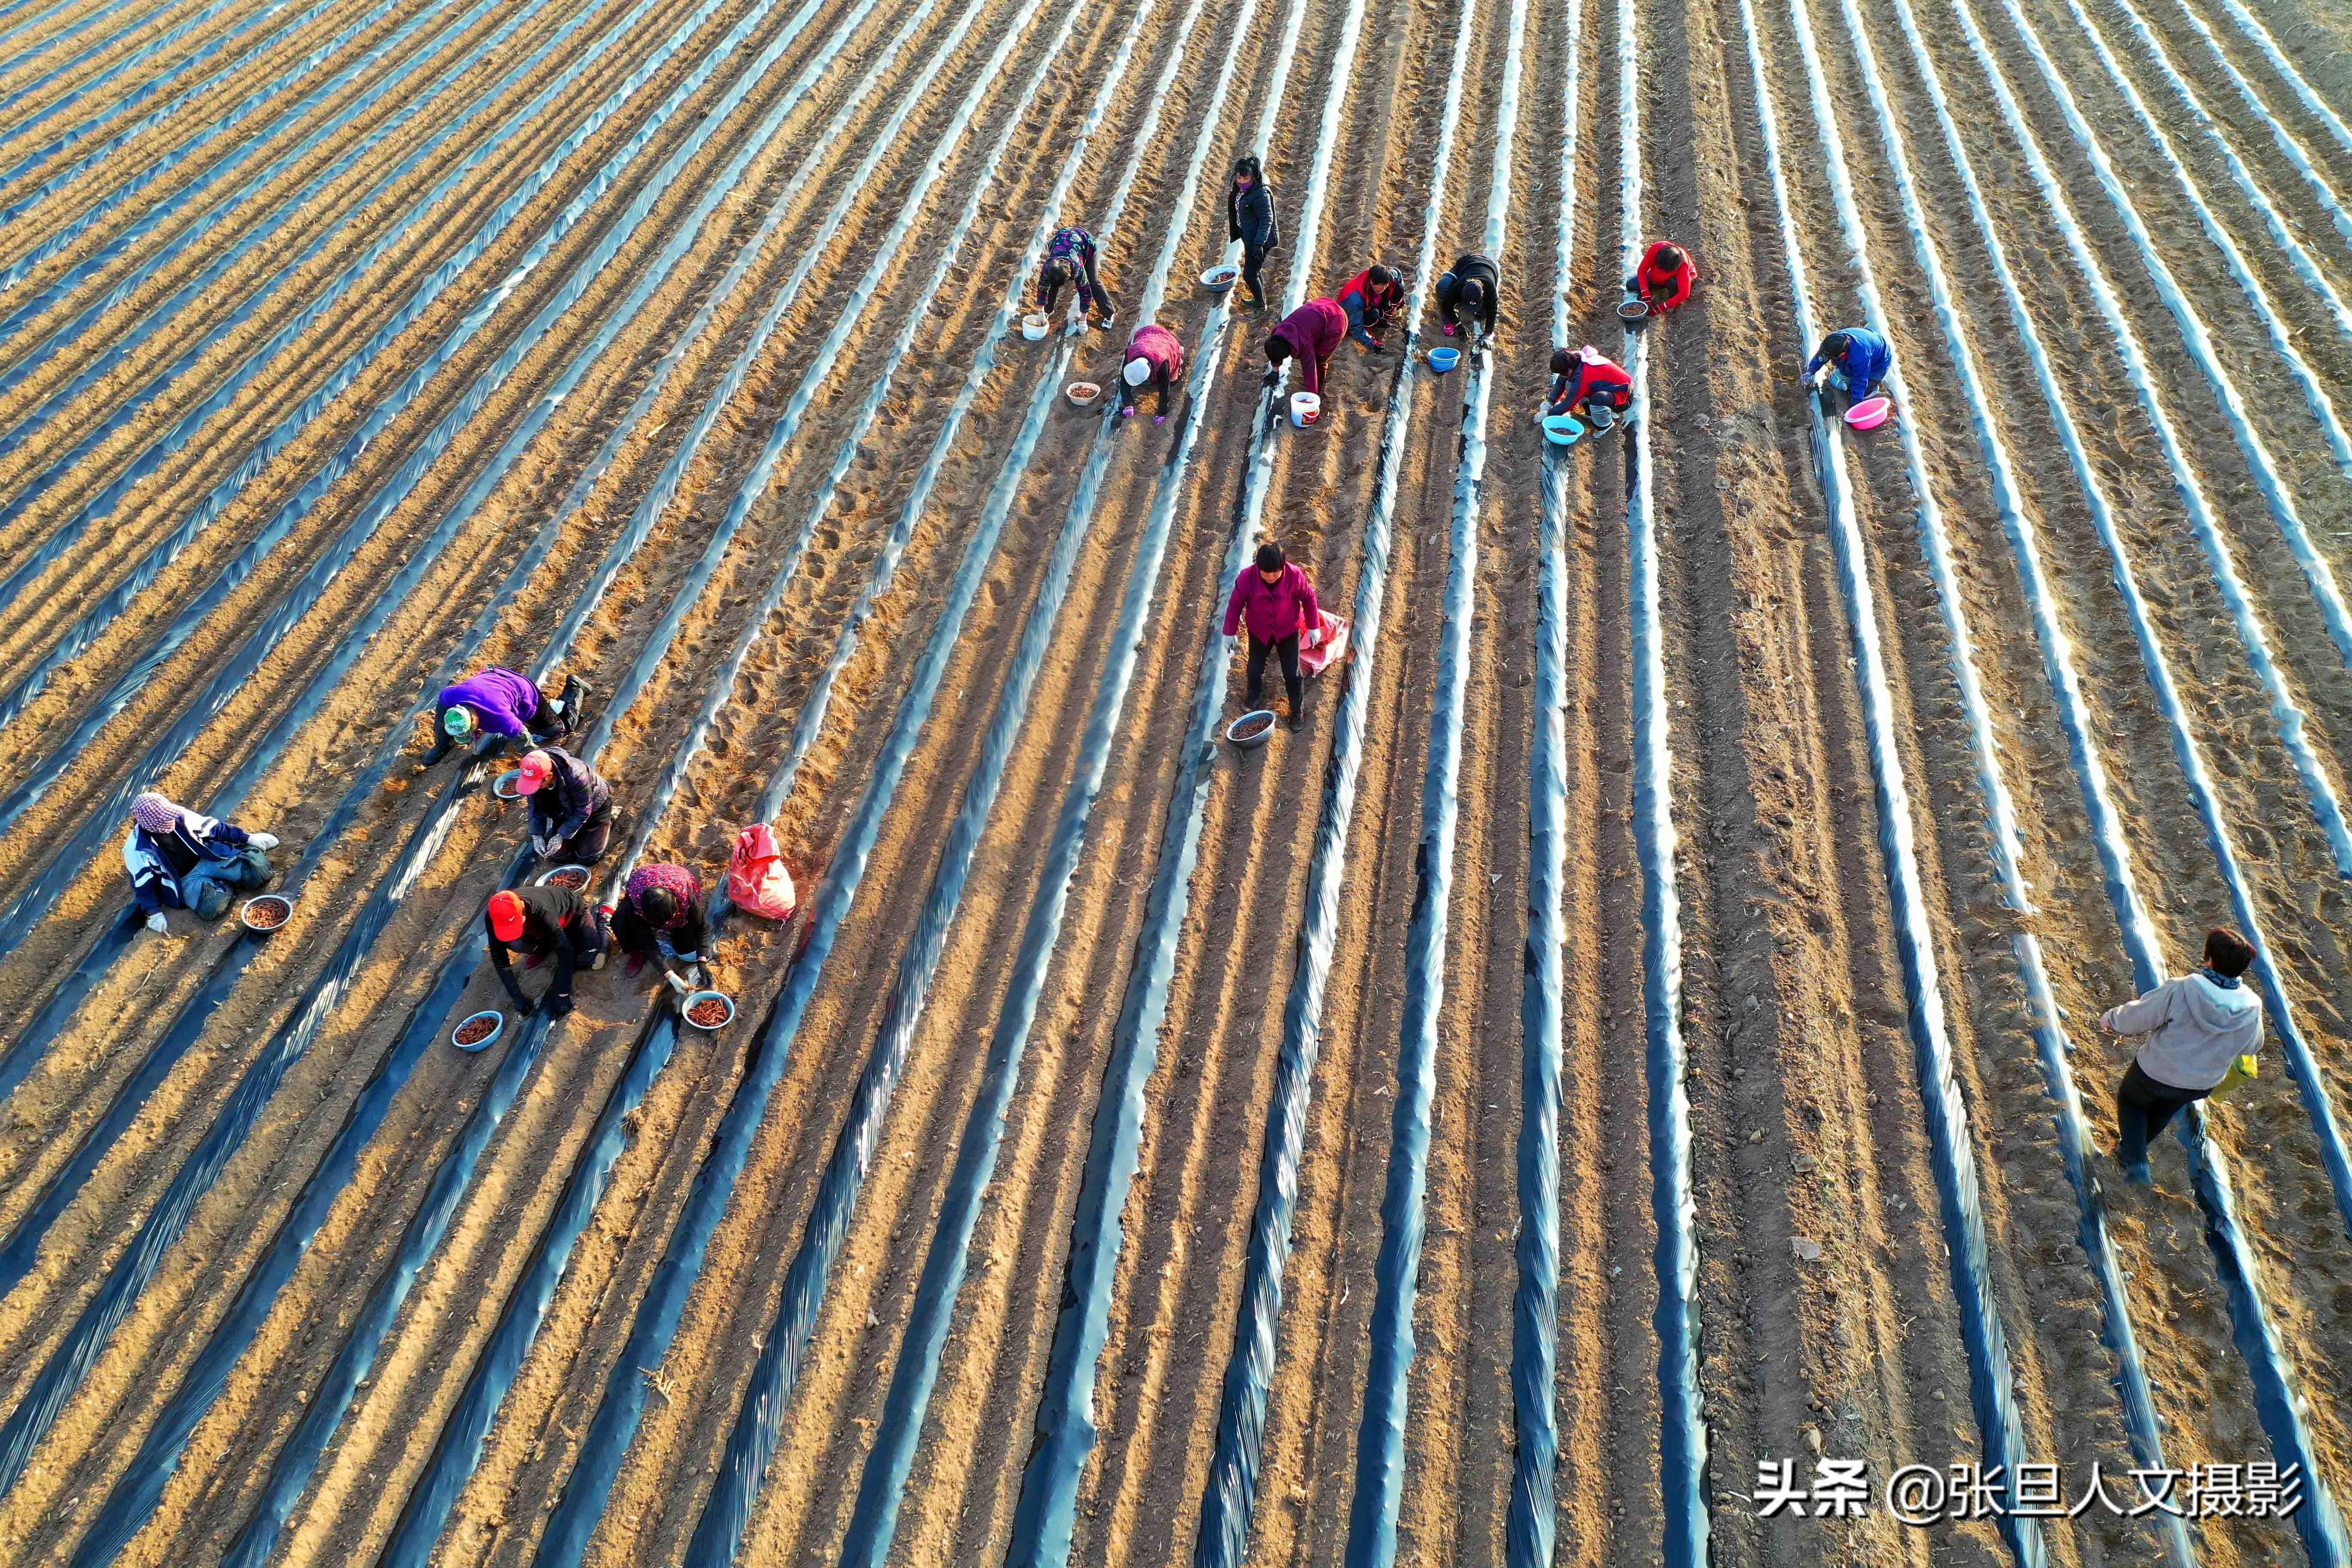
x=1638 y=1031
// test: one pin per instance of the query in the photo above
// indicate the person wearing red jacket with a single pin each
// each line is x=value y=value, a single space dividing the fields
x=1277 y=604
x=1588 y=383
x=1663 y=280
x=1370 y=299
x=1313 y=333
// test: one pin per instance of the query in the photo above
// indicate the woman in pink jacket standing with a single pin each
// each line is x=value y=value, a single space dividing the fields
x=1277 y=604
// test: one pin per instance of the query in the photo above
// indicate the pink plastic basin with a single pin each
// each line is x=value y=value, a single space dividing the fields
x=1870 y=413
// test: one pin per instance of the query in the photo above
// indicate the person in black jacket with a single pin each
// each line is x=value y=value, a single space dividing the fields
x=1471 y=291
x=541 y=923
x=1249 y=217
x=571 y=806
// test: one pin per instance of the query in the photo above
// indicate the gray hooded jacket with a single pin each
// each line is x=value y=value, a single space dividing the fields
x=2195 y=1029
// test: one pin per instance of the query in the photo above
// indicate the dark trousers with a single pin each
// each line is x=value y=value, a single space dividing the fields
x=1292 y=681
x=587 y=846
x=637 y=937
x=1253 y=258
x=2143 y=1108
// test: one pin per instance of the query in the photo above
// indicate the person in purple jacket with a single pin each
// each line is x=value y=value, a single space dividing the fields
x=504 y=704
x=1312 y=334
x=1275 y=601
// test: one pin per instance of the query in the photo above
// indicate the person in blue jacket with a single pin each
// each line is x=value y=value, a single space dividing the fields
x=182 y=859
x=1857 y=359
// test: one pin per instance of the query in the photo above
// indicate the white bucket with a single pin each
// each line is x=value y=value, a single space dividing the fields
x=1035 y=328
x=1305 y=408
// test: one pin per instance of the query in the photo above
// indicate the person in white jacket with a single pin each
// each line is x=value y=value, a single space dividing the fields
x=2196 y=1026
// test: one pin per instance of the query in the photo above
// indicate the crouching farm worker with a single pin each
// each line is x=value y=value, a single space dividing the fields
x=571 y=806
x=543 y=924
x=1154 y=359
x=661 y=917
x=504 y=704
x=2196 y=1026
x=182 y=859
x=1071 y=262
x=1589 y=384
x=1311 y=334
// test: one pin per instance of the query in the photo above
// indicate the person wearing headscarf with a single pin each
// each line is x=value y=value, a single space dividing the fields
x=1071 y=262
x=1663 y=281
x=661 y=917
x=182 y=859
x=501 y=703
x=1249 y=218
x=1857 y=360
x=1311 y=334
x=1155 y=358
x=1370 y=299
x=542 y=924
x=1273 y=599
x=571 y=806
x=1470 y=291
x=1590 y=384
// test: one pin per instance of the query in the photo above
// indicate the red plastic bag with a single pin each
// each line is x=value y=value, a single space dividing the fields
x=1326 y=650
x=756 y=878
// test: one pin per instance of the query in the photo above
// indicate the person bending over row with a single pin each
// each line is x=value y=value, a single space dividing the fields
x=1470 y=292
x=1589 y=384
x=571 y=806
x=2197 y=1025
x=1312 y=333
x=182 y=859
x=1370 y=299
x=1663 y=281
x=543 y=923
x=1070 y=261
x=1155 y=358
x=1857 y=360
x=1275 y=601
x=659 y=917
x=1249 y=218
x=504 y=704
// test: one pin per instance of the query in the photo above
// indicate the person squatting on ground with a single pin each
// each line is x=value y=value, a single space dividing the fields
x=1070 y=260
x=1590 y=384
x=1471 y=290
x=1663 y=281
x=543 y=923
x=1249 y=218
x=1857 y=360
x=1313 y=333
x=1277 y=603
x=1370 y=299
x=181 y=859
x=504 y=704
x=571 y=806
x=2197 y=1025
x=1155 y=358
x=659 y=917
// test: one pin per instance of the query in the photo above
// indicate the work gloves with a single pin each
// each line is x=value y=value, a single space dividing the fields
x=542 y=847
x=158 y=924
x=677 y=981
x=265 y=842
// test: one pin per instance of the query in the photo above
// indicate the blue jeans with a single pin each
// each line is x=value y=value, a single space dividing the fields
x=214 y=885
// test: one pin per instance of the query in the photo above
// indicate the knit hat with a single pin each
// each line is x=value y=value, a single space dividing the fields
x=458 y=723
x=1137 y=371
x=1591 y=355
x=154 y=813
x=537 y=768
x=505 y=915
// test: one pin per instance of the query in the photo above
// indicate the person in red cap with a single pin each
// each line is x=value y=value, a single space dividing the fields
x=1663 y=280
x=541 y=923
x=571 y=807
